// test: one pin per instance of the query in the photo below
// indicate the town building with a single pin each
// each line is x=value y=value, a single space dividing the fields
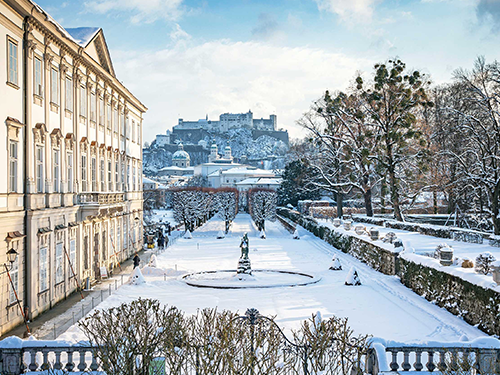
x=71 y=207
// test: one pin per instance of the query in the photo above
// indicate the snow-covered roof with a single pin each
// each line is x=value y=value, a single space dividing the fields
x=146 y=180
x=83 y=35
x=260 y=181
x=176 y=168
x=248 y=170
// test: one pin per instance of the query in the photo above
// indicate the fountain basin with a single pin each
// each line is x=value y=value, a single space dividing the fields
x=229 y=279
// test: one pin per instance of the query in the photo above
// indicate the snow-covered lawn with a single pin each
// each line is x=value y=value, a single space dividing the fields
x=381 y=306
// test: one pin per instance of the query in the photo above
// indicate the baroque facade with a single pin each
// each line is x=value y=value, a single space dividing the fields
x=71 y=205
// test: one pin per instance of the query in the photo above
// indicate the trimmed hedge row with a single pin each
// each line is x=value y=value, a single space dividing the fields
x=475 y=304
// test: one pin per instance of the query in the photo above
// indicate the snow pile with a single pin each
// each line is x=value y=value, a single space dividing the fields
x=137 y=278
x=152 y=261
x=296 y=235
x=188 y=235
x=152 y=271
x=352 y=278
x=221 y=235
x=335 y=265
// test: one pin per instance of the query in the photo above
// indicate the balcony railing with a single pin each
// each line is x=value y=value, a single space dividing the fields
x=100 y=198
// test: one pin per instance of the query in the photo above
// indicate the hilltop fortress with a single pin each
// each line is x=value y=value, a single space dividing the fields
x=194 y=131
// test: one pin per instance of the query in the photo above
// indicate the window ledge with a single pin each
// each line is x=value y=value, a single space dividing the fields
x=54 y=107
x=37 y=99
x=13 y=85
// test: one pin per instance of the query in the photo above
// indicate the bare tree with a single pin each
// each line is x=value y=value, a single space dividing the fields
x=225 y=202
x=262 y=205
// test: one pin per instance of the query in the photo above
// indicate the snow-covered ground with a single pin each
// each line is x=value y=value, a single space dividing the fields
x=381 y=306
x=420 y=247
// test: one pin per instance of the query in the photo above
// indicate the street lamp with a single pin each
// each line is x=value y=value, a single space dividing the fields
x=11 y=258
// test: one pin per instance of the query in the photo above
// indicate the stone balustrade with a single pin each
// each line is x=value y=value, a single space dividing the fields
x=100 y=198
x=483 y=355
x=20 y=356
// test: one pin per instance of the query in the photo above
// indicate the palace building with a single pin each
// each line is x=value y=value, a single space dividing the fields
x=71 y=200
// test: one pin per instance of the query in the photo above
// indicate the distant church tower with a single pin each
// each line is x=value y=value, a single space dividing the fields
x=214 y=153
x=181 y=158
x=227 y=153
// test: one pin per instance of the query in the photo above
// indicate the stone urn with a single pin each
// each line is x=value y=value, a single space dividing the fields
x=374 y=234
x=360 y=229
x=446 y=256
x=337 y=222
x=495 y=267
x=347 y=224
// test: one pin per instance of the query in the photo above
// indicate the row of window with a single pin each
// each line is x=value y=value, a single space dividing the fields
x=59 y=261
x=132 y=130
x=118 y=176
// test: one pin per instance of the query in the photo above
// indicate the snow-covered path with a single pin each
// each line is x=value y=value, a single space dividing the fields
x=381 y=306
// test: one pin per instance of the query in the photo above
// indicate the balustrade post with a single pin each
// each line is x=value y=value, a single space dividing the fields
x=58 y=364
x=430 y=362
x=394 y=363
x=12 y=361
x=418 y=366
x=487 y=361
x=406 y=362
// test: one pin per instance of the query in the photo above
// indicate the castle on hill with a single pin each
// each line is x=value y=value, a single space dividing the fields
x=229 y=121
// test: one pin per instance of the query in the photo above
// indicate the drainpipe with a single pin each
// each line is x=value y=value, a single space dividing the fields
x=25 y=157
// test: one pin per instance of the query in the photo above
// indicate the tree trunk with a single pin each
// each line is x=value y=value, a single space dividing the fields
x=395 y=195
x=227 y=226
x=340 y=204
x=495 y=208
x=383 y=191
x=368 y=202
x=435 y=202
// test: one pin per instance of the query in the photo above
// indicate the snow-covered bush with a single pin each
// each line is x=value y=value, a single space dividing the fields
x=484 y=262
x=220 y=235
x=137 y=278
x=335 y=265
x=296 y=235
x=152 y=261
x=262 y=234
x=353 y=278
x=466 y=263
x=262 y=206
x=188 y=235
x=389 y=237
x=128 y=337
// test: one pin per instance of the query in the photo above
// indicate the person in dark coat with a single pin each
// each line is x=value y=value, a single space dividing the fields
x=160 y=241
x=166 y=241
x=137 y=260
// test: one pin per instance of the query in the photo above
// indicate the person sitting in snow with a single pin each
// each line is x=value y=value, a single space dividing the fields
x=137 y=260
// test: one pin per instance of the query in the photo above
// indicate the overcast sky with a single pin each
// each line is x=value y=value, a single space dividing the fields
x=189 y=58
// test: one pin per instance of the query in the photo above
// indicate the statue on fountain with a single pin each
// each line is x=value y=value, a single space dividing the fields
x=244 y=261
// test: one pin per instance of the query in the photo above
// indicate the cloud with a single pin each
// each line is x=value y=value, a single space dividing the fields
x=489 y=11
x=141 y=10
x=352 y=11
x=223 y=76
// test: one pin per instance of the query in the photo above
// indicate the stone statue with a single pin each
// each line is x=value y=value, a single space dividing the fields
x=244 y=266
x=244 y=246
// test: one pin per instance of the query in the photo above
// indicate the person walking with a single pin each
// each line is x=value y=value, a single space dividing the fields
x=166 y=242
x=137 y=260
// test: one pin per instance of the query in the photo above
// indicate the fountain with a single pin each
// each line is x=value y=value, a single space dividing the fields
x=245 y=277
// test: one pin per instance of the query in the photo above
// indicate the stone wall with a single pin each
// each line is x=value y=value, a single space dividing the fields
x=478 y=306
